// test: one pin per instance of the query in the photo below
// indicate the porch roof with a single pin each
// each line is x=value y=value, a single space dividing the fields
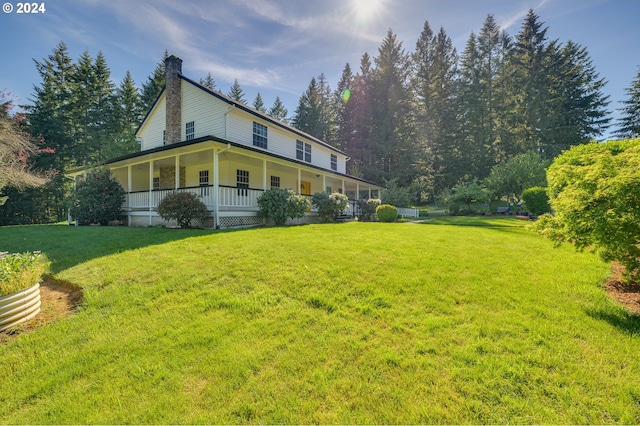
x=225 y=142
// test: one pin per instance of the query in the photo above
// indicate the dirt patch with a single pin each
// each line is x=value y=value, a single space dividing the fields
x=59 y=300
x=627 y=294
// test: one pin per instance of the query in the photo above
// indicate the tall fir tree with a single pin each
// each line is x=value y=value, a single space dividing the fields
x=236 y=93
x=128 y=115
x=278 y=111
x=359 y=106
x=258 y=104
x=153 y=86
x=344 y=125
x=629 y=122
x=208 y=82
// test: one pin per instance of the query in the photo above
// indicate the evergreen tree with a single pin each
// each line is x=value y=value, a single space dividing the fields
x=128 y=115
x=208 y=82
x=278 y=111
x=393 y=141
x=359 y=106
x=154 y=85
x=258 y=103
x=343 y=110
x=629 y=123
x=236 y=93
x=308 y=116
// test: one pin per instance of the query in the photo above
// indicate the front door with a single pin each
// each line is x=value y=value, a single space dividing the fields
x=305 y=188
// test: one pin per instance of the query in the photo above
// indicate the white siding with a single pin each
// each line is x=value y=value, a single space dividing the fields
x=204 y=109
x=152 y=130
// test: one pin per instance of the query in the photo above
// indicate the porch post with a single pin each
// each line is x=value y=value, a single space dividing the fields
x=129 y=194
x=324 y=183
x=264 y=174
x=299 y=181
x=150 y=190
x=343 y=187
x=357 y=190
x=369 y=192
x=216 y=185
x=177 y=174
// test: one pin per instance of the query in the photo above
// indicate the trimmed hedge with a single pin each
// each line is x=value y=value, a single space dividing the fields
x=387 y=213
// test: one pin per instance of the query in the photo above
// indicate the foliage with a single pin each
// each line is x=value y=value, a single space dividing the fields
x=329 y=205
x=19 y=271
x=395 y=195
x=536 y=200
x=236 y=93
x=280 y=204
x=387 y=213
x=467 y=193
x=184 y=208
x=97 y=198
x=16 y=147
x=368 y=208
x=510 y=178
x=594 y=191
x=629 y=123
x=279 y=111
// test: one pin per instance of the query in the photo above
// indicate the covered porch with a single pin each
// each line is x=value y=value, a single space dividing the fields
x=227 y=178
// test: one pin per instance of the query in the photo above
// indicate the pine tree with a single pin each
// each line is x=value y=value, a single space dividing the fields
x=344 y=125
x=208 y=82
x=154 y=85
x=307 y=114
x=359 y=107
x=629 y=123
x=258 y=103
x=278 y=111
x=128 y=116
x=236 y=93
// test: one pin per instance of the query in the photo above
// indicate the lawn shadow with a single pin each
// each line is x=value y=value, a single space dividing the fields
x=621 y=319
x=67 y=246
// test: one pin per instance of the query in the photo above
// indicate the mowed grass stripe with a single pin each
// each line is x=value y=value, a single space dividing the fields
x=346 y=323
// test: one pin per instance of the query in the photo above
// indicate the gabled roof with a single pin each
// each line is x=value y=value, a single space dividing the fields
x=245 y=108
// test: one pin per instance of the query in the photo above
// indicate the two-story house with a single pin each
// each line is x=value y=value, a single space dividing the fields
x=199 y=140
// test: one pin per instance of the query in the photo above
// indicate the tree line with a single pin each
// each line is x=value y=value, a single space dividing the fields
x=426 y=120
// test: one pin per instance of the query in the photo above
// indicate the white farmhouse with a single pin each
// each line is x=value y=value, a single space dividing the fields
x=199 y=140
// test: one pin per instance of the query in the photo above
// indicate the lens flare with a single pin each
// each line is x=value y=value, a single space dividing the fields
x=346 y=95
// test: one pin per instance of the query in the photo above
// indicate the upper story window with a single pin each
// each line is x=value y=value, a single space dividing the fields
x=303 y=151
x=259 y=135
x=334 y=162
x=191 y=130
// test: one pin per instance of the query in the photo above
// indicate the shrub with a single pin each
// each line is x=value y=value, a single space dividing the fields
x=329 y=205
x=387 y=213
x=536 y=200
x=97 y=198
x=368 y=208
x=183 y=207
x=594 y=191
x=19 y=271
x=280 y=204
x=467 y=193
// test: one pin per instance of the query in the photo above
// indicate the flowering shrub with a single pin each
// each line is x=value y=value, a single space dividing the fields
x=368 y=208
x=183 y=207
x=387 y=213
x=97 y=198
x=280 y=204
x=19 y=271
x=329 y=205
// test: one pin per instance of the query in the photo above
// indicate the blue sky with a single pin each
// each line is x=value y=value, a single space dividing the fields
x=275 y=46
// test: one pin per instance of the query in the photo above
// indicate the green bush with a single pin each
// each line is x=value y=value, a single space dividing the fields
x=19 y=271
x=280 y=204
x=329 y=205
x=97 y=198
x=594 y=191
x=387 y=213
x=536 y=200
x=368 y=208
x=183 y=207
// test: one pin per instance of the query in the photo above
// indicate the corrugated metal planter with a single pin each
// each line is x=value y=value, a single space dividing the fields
x=19 y=307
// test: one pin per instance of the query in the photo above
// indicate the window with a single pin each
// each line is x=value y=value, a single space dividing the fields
x=334 y=162
x=275 y=181
x=303 y=151
x=329 y=190
x=307 y=152
x=242 y=179
x=299 y=150
x=259 y=135
x=156 y=183
x=191 y=130
x=204 y=177
x=164 y=137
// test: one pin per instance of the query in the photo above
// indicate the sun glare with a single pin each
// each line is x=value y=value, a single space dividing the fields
x=366 y=10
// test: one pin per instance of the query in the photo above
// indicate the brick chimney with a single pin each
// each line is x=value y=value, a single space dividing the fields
x=172 y=73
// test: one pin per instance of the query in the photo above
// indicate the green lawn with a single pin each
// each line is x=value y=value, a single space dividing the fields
x=345 y=323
